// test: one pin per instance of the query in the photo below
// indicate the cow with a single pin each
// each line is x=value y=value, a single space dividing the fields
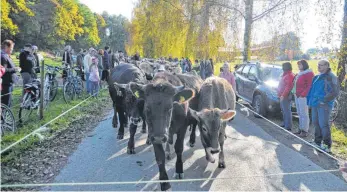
x=216 y=107
x=166 y=102
x=125 y=103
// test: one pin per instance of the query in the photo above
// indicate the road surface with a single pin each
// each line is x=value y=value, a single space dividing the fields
x=248 y=151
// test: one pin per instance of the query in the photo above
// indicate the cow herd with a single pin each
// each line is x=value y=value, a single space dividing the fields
x=168 y=102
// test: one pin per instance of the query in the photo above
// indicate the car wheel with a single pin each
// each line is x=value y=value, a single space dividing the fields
x=259 y=106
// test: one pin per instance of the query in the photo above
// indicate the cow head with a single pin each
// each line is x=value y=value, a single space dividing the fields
x=133 y=102
x=210 y=124
x=158 y=104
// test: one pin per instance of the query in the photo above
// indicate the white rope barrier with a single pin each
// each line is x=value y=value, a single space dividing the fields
x=161 y=181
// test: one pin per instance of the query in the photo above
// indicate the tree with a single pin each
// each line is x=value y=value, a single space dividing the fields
x=8 y=9
x=341 y=72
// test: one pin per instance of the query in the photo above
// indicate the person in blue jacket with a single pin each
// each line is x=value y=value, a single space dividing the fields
x=323 y=92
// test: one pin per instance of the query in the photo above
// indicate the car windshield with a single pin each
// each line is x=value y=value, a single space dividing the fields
x=270 y=73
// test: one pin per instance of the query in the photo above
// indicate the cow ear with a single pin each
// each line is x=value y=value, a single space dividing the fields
x=137 y=90
x=194 y=114
x=184 y=95
x=226 y=115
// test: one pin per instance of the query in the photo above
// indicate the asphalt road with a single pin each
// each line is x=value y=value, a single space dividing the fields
x=248 y=151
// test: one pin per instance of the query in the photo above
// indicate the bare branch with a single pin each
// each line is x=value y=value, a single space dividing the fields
x=273 y=8
x=213 y=3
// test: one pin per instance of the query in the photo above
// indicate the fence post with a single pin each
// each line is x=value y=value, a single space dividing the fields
x=42 y=72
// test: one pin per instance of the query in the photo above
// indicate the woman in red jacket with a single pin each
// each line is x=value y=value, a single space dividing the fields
x=284 y=93
x=302 y=85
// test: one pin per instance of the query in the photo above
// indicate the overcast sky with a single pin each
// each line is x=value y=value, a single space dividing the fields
x=311 y=33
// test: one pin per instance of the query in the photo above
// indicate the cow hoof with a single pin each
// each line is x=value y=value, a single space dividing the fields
x=179 y=175
x=191 y=144
x=143 y=131
x=131 y=151
x=165 y=186
x=221 y=165
x=120 y=136
x=148 y=142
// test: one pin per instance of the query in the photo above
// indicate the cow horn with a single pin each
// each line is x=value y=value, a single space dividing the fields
x=179 y=88
x=124 y=86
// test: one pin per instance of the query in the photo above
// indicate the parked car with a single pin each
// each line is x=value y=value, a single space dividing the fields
x=257 y=84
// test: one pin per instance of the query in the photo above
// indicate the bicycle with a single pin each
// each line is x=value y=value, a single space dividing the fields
x=73 y=85
x=51 y=83
x=8 y=123
x=31 y=100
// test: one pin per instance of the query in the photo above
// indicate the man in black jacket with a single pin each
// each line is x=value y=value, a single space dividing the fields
x=10 y=72
x=27 y=63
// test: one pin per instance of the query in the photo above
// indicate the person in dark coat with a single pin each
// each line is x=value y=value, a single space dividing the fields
x=106 y=65
x=27 y=64
x=10 y=72
x=67 y=59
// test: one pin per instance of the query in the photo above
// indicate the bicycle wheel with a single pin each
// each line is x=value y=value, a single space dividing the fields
x=335 y=111
x=54 y=90
x=8 y=123
x=69 y=92
x=25 y=109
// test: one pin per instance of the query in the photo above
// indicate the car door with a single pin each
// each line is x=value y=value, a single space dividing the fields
x=238 y=81
x=251 y=83
x=242 y=79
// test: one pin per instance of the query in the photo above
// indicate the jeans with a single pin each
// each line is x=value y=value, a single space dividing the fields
x=94 y=88
x=287 y=112
x=87 y=82
x=320 y=120
x=302 y=110
x=6 y=95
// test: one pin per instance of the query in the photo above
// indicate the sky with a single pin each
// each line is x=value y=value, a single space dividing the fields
x=311 y=34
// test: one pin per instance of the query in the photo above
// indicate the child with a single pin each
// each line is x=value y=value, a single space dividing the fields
x=94 y=77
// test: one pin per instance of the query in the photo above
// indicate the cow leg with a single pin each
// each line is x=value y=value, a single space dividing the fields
x=126 y=119
x=179 y=150
x=221 y=162
x=115 y=117
x=193 y=134
x=144 y=130
x=160 y=158
x=121 y=124
x=168 y=150
x=131 y=142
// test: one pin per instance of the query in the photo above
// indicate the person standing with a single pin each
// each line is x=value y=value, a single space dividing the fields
x=79 y=62
x=9 y=76
x=94 y=77
x=38 y=58
x=227 y=75
x=27 y=63
x=302 y=85
x=202 y=69
x=212 y=65
x=284 y=93
x=321 y=97
x=100 y=61
x=208 y=69
x=106 y=65
x=67 y=60
x=87 y=61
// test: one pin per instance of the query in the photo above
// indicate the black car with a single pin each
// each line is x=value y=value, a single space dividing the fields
x=257 y=84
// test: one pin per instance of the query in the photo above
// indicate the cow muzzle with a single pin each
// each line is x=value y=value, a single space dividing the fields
x=159 y=139
x=135 y=121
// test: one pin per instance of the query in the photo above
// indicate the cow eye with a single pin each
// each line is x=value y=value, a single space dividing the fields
x=204 y=129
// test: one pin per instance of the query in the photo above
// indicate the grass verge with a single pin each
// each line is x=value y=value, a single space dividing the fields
x=56 y=108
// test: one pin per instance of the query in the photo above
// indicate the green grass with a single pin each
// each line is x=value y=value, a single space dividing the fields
x=57 y=107
x=339 y=138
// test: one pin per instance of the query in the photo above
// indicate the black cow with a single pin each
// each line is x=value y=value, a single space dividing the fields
x=166 y=106
x=125 y=103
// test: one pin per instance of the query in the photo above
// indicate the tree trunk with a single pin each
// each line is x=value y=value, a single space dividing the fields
x=248 y=30
x=343 y=50
x=203 y=32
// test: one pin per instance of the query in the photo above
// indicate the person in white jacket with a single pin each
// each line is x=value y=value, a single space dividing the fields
x=87 y=61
